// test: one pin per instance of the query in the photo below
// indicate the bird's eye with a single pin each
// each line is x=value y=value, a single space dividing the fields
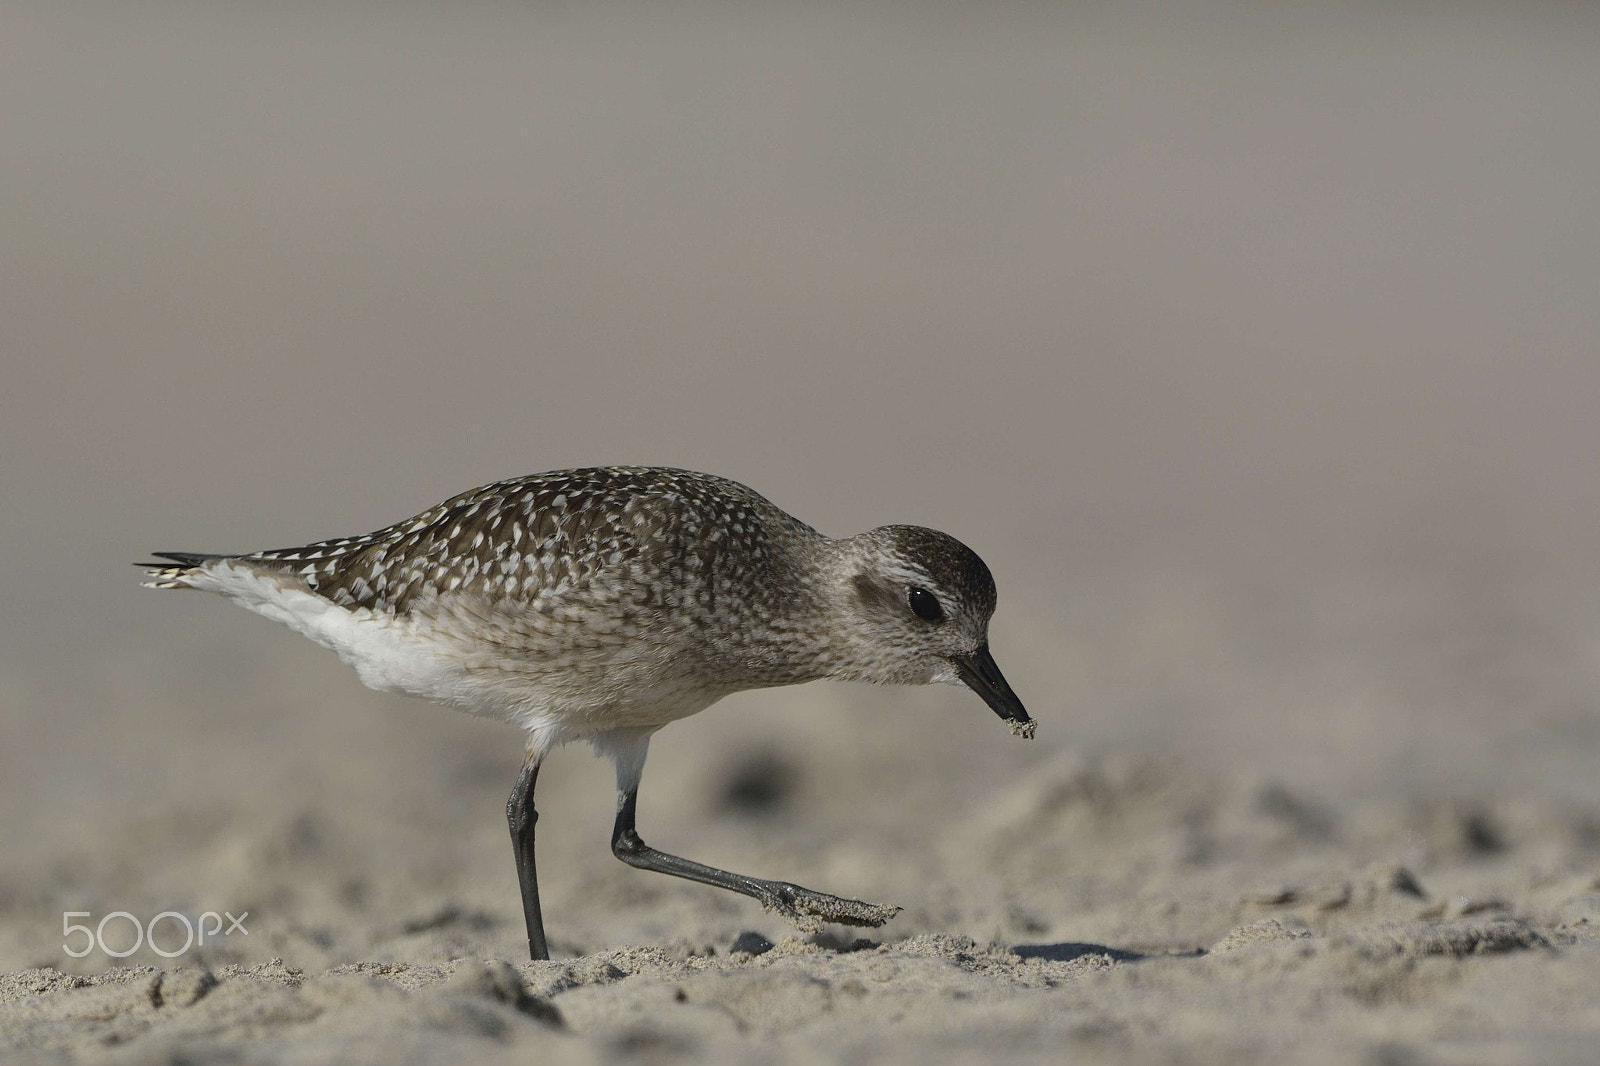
x=925 y=605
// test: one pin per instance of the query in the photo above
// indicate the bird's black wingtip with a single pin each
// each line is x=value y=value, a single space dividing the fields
x=187 y=558
x=168 y=575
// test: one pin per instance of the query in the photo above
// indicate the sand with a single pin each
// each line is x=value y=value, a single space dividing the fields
x=1105 y=906
x=1253 y=347
x=1187 y=957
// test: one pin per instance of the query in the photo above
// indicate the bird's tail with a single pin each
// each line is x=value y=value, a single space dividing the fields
x=173 y=575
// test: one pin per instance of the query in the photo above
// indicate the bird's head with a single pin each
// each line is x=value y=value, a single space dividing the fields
x=915 y=606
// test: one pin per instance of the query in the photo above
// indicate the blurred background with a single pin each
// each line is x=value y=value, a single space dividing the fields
x=1257 y=349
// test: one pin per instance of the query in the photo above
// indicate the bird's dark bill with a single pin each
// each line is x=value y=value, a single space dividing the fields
x=982 y=676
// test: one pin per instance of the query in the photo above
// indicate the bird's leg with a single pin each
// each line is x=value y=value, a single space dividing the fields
x=521 y=816
x=803 y=907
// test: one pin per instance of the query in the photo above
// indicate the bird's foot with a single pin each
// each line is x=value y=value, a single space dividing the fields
x=808 y=909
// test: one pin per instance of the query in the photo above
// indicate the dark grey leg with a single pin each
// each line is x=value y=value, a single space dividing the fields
x=802 y=906
x=521 y=816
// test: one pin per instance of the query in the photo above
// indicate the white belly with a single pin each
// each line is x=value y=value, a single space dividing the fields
x=559 y=696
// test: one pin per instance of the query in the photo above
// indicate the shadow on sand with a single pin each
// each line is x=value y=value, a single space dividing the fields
x=1068 y=951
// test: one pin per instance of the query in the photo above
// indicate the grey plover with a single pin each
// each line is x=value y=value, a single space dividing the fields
x=601 y=604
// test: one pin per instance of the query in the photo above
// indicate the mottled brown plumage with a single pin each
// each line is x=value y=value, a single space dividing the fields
x=603 y=603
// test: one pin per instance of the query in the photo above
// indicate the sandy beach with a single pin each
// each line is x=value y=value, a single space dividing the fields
x=1104 y=906
x=1254 y=349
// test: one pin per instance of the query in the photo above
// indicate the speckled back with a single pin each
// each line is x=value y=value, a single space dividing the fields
x=653 y=536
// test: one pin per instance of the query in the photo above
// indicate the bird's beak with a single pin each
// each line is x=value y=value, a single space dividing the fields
x=981 y=675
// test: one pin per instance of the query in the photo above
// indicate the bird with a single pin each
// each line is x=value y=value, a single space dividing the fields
x=601 y=604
